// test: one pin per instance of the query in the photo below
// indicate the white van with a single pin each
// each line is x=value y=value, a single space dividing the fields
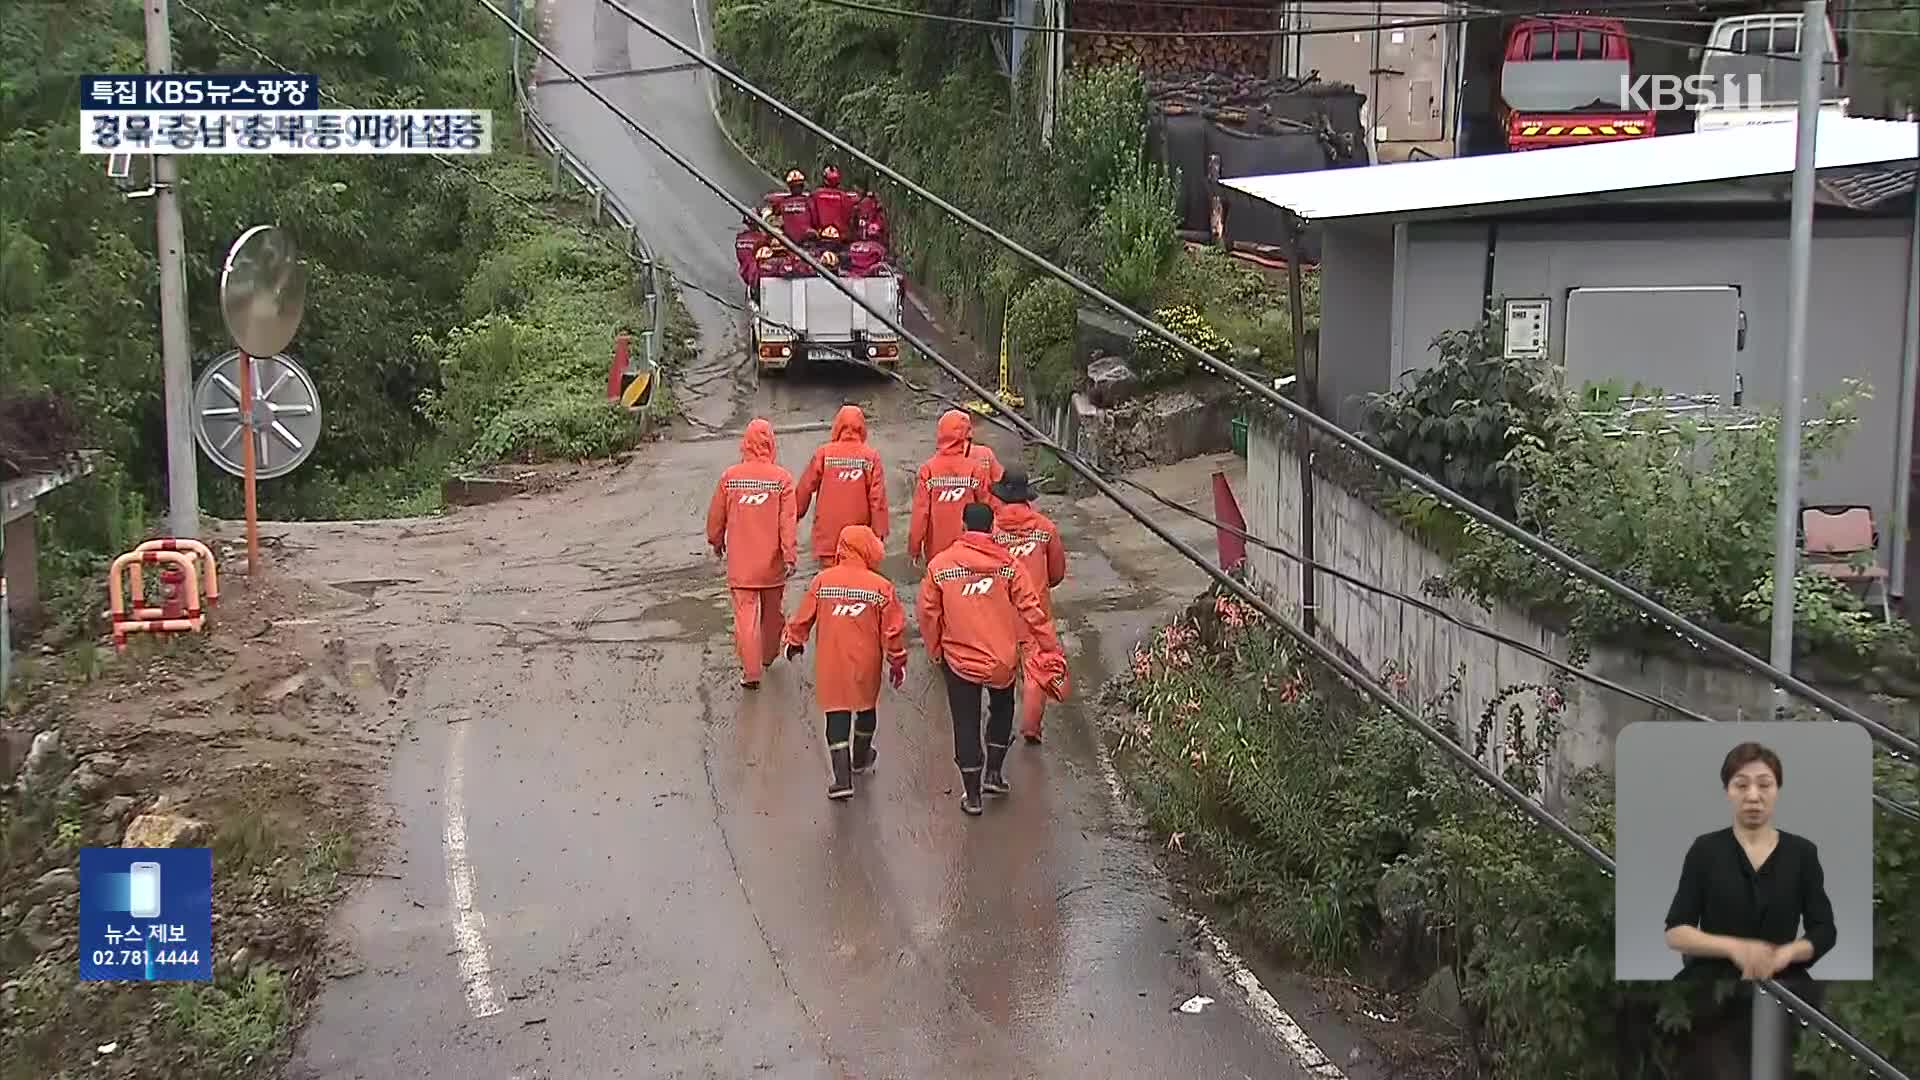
x=1747 y=66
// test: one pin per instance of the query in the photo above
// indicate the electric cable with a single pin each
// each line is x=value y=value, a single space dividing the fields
x=1479 y=14
x=1807 y=1013
x=1892 y=806
x=1903 y=746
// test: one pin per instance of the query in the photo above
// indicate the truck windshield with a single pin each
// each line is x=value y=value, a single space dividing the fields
x=1761 y=51
x=1563 y=85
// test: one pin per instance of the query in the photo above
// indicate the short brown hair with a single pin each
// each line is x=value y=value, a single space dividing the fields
x=1746 y=754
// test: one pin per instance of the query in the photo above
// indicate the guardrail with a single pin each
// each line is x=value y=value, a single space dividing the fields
x=607 y=207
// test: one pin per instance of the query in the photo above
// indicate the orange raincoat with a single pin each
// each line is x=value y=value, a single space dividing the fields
x=977 y=605
x=860 y=619
x=847 y=476
x=949 y=480
x=1033 y=539
x=751 y=522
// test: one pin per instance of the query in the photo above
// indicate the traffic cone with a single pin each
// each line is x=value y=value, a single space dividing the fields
x=616 y=375
x=1226 y=510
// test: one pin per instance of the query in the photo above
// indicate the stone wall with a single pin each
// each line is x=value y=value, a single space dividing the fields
x=1382 y=635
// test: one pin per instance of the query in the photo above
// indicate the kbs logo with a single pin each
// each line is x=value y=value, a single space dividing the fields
x=1021 y=551
x=1664 y=93
x=977 y=588
x=756 y=498
x=952 y=494
x=851 y=611
x=851 y=474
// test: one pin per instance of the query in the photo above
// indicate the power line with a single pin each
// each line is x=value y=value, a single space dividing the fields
x=1480 y=14
x=1538 y=546
x=1808 y=1014
x=1895 y=807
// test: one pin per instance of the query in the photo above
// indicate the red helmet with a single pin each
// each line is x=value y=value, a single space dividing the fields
x=873 y=230
x=831 y=176
x=796 y=178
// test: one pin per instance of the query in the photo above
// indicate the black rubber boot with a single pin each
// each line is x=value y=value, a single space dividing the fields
x=995 y=780
x=970 y=797
x=864 y=754
x=842 y=785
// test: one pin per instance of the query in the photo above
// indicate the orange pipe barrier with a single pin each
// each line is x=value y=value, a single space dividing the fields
x=169 y=544
x=147 y=620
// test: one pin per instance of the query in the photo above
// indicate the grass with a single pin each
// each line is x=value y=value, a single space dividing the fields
x=234 y=1022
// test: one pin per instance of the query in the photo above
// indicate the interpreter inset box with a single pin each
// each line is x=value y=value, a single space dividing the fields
x=146 y=914
x=1743 y=850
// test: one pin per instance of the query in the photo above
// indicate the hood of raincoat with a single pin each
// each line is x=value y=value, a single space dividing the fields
x=757 y=443
x=859 y=547
x=849 y=425
x=954 y=432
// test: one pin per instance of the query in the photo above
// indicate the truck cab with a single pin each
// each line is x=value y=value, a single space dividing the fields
x=1749 y=66
x=1564 y=82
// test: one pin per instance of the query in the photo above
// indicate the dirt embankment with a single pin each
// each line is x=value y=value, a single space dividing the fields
x=260 y=739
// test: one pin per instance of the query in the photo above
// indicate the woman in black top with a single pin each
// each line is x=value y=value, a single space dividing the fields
x=1744 y=894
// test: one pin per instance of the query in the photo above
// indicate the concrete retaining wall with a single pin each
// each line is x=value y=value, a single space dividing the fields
x=1384 y=635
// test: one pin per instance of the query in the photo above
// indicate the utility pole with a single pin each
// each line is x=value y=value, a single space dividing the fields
x=183 y=483
x=1769 y=1020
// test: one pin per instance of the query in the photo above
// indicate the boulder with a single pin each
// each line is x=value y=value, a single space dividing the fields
x=115 y=808
x=85 y=783
x=164 y=831
x=43 y=758
x=1110 y=381
x=55 y=882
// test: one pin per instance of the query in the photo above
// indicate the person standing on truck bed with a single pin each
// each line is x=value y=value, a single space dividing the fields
x=747 y=244
x=868 y=215
x=976 y=606
x=795 y=209
x=946 y=484
x=867 y=255
x=860 y=619
x=833 y=209
x=750 y=523
x=851 y=484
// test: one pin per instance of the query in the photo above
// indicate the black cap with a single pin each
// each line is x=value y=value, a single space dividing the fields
x=977 y=517
x=1014 y=486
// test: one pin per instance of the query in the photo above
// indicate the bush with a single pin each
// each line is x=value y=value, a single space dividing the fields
x=1040 y=326
x=1680 y=512
x=1466 y=419
x=1337 y=835
x=1100 y=134
x=1158 y=363
x=1134 y=233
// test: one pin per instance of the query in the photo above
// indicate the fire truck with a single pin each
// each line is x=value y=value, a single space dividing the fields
x=1564 y=81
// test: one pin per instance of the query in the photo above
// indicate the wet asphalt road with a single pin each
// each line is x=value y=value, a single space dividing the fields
x=639 y=873
x=608 y=860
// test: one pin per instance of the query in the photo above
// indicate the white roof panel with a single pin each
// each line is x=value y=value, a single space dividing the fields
x=1561 y=172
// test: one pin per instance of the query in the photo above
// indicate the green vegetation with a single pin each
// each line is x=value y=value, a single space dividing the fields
x=932 y=103
x=1340 y=838
x=456 y=315
x=1892 y=42
x=1680 y=510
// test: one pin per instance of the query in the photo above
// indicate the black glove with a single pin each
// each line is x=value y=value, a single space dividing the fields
x=794 y=651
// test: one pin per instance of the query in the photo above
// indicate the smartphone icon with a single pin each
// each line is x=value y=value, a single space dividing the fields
x=143 y=892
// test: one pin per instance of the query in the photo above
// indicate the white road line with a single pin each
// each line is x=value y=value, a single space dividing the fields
x=1262 y=1004
x=469 y=926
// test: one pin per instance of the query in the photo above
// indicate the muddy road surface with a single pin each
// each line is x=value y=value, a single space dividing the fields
x=609 y=860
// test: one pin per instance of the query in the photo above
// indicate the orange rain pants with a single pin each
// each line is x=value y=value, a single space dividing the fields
x=757 y=626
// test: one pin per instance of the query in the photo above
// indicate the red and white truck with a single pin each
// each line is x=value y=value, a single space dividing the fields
x=1565 y=81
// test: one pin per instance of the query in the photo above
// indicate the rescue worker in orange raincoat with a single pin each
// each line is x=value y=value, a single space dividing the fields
x=866 y=255
x=846 y=475
x=976 y=606
x=948 y=481
x=795 y=208
x=833 y=209
x=750 y=523
x=1033 y=538
x=860 y=620
x=868 y=215
x=746 y=251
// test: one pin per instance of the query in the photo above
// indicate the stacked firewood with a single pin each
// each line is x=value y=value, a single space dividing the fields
x=1248 y=102
x=1164 y=55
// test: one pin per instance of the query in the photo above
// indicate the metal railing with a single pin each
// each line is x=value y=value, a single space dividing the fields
x=566 y=169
